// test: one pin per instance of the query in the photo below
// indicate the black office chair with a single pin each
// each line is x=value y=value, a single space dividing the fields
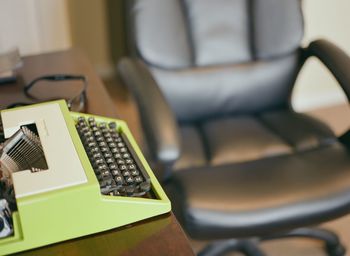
x=213 y=82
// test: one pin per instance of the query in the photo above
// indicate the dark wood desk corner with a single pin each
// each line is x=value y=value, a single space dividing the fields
x=161 y=235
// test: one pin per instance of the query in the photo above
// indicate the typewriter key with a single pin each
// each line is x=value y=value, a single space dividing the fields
x=129 y=179
x=104 y=149
x=114 y=150
x=107 y=154
x=109 y=160
x=135 y=172
x=112 y=125
x=113 y=166
x=126 y=173
x=122 y=167
x=116 y=173
x=120 y=161
x=128 y=161
x=138 y=179
x=119 y=180
x=117 y=155
x=131 y=167
x=99 y=139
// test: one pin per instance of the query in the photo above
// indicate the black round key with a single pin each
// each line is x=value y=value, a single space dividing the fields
x=125 y=155
x=102 y=144
x=90 y=139
x=84 y=129
x=99 y=161
x=118 y=179
x=114 y=150
x=135 y=172
x=81 y=119
x=112 y=125
x=122 y=190
x=115 y=135
x=87 y=134
x=94 y=150
x=117 y=139
x=91 y=119
x=109 y=139
x=97 y=155
x=112 y=145
x=116 y=172
x=130 y=190
x=145 y=186
x=107 y=134
x=117 y=156
x=102 y=167
x=113 y=166
x=105 y=173
x=129 y=161
x=92 y=144
x=120 y=145
x=107 y=154
x=99 y=139
x=129 y=179
x=126 y=173
x=97 y=133
x=104 y=149
x=103 y=124
x=131 y=167
x=123 y=150
x=122 y=167
x=138 y=179
x=109 y=160
x=120 y=161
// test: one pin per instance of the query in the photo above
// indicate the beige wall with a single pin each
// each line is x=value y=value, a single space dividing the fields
x=97 y=28
x=35 y=26
x=315 y=86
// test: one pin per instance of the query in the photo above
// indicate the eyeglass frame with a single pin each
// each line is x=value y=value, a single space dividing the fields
x=57 y=78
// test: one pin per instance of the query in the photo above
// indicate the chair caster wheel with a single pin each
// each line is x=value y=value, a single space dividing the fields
x=338 y=250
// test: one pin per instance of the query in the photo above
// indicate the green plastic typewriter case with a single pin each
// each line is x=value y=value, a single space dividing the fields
x=75 y=210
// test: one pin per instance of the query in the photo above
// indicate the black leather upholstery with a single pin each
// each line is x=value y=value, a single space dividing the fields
x=183 y=33
x=213 y=88
x=222 y=90
x=263 y=196
x=335 y=59
x=218 y=51
x=236 y=139
x=161 y=129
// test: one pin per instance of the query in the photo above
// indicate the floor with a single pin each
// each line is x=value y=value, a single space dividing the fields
x=338 y=117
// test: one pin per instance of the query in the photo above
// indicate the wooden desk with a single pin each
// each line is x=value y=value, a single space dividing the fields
x=160 y=235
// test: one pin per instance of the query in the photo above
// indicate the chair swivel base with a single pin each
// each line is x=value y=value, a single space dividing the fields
x=250 y=247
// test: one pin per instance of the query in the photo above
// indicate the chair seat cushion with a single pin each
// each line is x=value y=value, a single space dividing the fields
x=232 y=139
x=263 y=196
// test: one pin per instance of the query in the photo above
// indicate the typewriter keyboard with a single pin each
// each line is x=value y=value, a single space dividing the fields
x=116 y=165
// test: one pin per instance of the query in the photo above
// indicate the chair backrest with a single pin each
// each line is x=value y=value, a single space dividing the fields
x=213 y=57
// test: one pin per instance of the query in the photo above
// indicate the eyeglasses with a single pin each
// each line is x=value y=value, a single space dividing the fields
x=76 y=103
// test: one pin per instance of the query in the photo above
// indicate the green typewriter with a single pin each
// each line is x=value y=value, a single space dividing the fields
x=65 y=175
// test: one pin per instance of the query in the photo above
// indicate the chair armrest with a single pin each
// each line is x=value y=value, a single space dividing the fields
x=335 y=59
x=158 y=120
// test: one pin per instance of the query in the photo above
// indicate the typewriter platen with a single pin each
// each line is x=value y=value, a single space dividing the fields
x=66 y=175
